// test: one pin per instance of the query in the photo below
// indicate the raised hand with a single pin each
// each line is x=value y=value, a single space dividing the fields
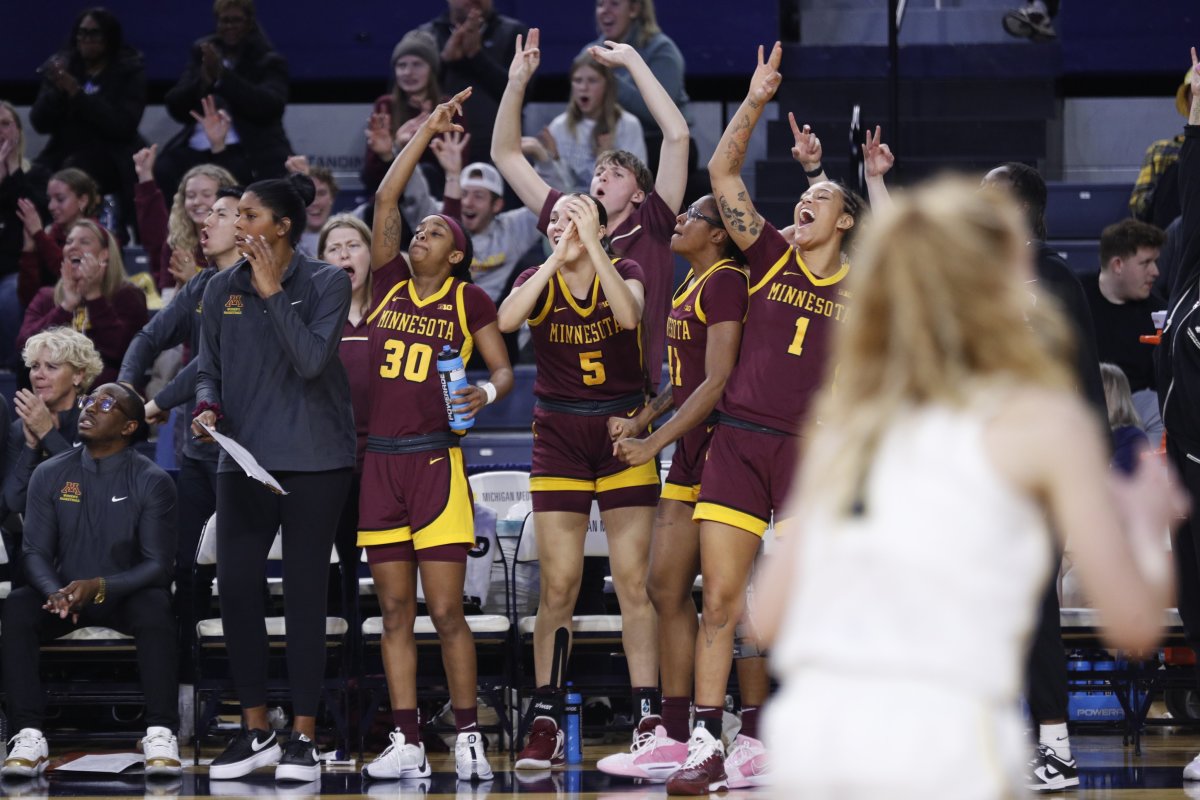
x=91 y=274
x=614 y=54
x=766 y=78
x=408 y=130
x=582 y=212
x=807 y=149
x=183 y=265
x=297 y=164
x=30 y=218
x=210 y=63
x=216 y=123
x=6 y=150
x=379 y=134
x=71 y=295
x=449 y=150
x=470 y=34
x=526 y=59
x=267 y=269
x=1195 y=77
x=143 y=163
x=441 y=119
x=877 y=156
x=35 y=416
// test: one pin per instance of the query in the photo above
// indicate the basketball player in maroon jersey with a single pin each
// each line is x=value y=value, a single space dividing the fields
x=416 y=511
x=796 y=300
x=583 y=308
x=703 y=335
x=641 y=206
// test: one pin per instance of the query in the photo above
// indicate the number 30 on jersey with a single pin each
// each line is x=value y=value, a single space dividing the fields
x=412 y=361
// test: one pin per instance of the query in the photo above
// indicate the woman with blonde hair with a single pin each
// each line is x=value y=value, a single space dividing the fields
x=172 y=239
x=73 y=195
x=63 y=365
x=1129 y=438
x=948 y=448
x=93 y=296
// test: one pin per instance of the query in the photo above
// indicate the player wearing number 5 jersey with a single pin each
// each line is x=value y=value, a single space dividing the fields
x=584 y=309
x=797 y=300
x=416 y=510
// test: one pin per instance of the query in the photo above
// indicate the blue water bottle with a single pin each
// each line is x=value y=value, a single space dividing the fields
x=454 y=377
x=572 y=712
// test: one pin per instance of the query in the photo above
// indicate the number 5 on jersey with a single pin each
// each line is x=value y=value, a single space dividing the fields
x=593 y=369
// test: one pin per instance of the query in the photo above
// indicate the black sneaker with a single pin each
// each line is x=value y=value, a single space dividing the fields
x=245 y=753
x=1049 y=773
x=300 y=761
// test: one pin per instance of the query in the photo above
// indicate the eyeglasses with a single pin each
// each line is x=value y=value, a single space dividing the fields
x=106 y=403
x=89 y=33
x=695 y=213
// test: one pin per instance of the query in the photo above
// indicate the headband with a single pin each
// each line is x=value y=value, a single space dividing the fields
x=460 y=238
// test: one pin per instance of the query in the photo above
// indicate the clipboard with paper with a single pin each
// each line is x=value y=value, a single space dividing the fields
x=244 y=459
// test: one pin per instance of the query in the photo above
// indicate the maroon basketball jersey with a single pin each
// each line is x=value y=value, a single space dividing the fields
x=406 y=333
x=785 y=342
x=718 y=295
x=580 y=350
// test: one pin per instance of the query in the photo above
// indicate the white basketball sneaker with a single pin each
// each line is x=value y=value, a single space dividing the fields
x=470 y=760
x=399 y=761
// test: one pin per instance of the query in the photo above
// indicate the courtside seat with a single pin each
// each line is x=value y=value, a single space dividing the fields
x=594 y=628
x=211 y=629
x=491 y=628
x=1083 y=257
x=1086 y=623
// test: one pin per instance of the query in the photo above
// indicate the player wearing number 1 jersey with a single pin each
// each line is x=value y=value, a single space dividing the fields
x=416 y=510
x=797 y=300
x=584 y=309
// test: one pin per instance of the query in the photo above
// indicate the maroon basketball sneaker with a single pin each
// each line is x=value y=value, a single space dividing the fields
x=544 y=747
x=704 y=770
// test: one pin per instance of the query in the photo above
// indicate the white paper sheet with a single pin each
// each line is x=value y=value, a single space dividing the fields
x=102 y=762
x=244 y=460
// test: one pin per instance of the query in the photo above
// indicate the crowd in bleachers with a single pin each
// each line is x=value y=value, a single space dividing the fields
x=72 y=316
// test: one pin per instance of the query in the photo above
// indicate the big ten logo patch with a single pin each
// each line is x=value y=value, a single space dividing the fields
x=445 y=306
x=233 y=306
x=70 y=492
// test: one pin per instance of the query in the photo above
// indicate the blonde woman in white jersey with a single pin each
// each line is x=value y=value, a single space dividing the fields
x=949 y=448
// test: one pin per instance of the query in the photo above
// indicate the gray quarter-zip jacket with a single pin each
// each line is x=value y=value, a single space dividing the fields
x=113 y=519
x=272 y=366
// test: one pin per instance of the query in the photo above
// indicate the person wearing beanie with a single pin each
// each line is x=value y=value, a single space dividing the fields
x=1155 y=196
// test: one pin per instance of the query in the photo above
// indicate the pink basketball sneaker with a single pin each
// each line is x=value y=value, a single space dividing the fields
x=654 y=757
x=746 y=763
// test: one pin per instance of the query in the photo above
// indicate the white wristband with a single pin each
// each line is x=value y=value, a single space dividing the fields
x=490 y=390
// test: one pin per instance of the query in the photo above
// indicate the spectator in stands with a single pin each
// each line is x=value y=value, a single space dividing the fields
x=99 y=550
x=93 y=296
x=1034 y=20
x=240 y=67
x=73 y=196
x=1053 y=767
x=62 y=364
x=397 y=116
x=476 y=45
x=1129 y=439
x=1121 y=299
x=19 y=179
x=345 y=241
x=1179 y=375
x=501 y=238
x=566 y=149
x=1155 y=196
x=90 y=103
x=172 y=238
x=320 y=209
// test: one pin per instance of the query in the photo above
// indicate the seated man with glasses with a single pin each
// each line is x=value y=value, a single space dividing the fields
x=99 y=550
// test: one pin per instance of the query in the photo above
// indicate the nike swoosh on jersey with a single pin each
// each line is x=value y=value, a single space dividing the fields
x=433 y=461
x=297 y=302
x=119 y=499
x=563 y=308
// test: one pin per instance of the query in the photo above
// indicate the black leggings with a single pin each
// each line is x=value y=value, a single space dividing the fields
x=1046 y=667
x=248 y=515
x=193 y=584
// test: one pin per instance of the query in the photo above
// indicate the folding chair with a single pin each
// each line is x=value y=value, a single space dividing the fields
x=211 y=657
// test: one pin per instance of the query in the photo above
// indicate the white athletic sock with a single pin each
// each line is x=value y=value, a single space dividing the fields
x=1056 y=738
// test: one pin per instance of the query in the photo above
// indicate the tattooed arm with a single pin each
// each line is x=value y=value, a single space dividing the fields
x=385 y=238
x=743 y=222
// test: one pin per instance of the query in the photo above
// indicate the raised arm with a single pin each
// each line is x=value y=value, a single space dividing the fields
x=385 y=237
x=742 y=220
x=877 y=160
x=506 y=135
x=626 y=298
x=673 y=157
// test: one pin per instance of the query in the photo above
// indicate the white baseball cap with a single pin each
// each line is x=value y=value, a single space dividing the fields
x=484 y=176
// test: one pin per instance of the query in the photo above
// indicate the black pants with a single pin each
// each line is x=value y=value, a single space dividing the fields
x=145 y=615
x=1187 y=553
x=343 y=593
x=248 y=516
x=1046 y=669
x=193 y=585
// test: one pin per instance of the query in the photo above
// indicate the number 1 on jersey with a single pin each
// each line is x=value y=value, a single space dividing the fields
x=796 y=348
x=674 y=366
